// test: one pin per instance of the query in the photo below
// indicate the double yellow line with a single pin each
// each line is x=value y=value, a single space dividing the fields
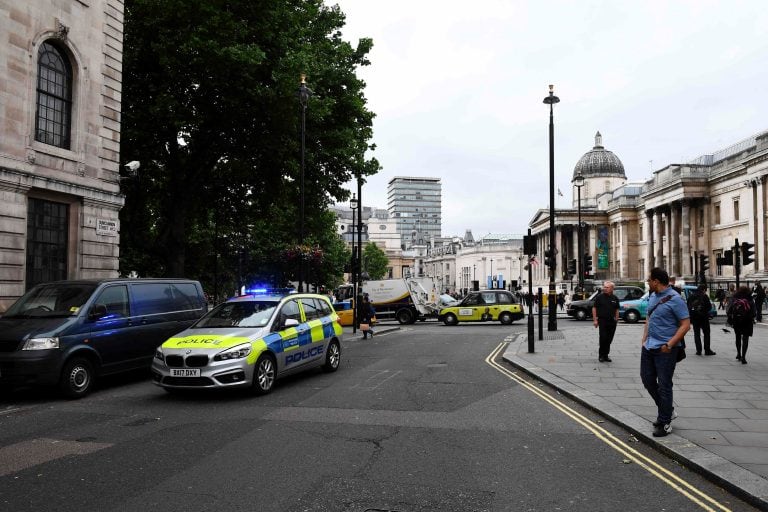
x=695 y=495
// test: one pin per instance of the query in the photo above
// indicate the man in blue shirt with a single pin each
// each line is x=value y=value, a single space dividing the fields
x=668 y=321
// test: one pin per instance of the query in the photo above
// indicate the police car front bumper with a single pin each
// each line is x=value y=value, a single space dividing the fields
x=181 y=371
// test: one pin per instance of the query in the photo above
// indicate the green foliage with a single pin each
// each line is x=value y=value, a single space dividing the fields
x=375 y=261
x=210 y=108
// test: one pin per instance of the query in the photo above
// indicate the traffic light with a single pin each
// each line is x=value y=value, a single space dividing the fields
x=747 y=253
x=703 y=264
x=728 y=258
x=572 y=267
x=587 y=264
x=549 y=258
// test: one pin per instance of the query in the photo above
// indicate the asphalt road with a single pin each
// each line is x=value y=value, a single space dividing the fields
x=425 y=418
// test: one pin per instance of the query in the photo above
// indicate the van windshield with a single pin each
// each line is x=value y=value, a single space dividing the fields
x=51 y=300
x=239 y=314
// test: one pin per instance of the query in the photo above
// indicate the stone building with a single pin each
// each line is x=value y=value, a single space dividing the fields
x=60 y=96
x=682 y=213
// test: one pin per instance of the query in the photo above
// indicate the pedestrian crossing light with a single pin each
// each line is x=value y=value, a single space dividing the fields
x=549 y=258
x=747 y=253
x=703 y=264
x=572 y=267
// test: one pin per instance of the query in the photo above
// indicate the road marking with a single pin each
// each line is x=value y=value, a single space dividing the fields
x=703 y=500
x=26 y=454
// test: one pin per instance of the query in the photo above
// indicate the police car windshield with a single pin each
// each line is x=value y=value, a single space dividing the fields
x=252 y=313
x=51 y=300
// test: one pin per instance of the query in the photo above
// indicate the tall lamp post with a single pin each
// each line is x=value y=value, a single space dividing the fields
x=551 y=100
x=491 y=272
x=353 y=204
x=359 y=282
x=304 y=94
x=578 y=182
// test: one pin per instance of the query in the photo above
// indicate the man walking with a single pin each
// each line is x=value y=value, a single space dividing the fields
x=605 y=315
x=667 y=323
x=759 y=299
x=698 y=308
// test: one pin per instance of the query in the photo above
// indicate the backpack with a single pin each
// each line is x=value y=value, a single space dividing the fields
x=739 y=310
x=698 y=306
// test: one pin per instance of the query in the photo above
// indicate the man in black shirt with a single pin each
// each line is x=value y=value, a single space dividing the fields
x=605 y=314
x=698 y=307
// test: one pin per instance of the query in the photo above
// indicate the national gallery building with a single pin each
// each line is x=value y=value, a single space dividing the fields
x=687 y=210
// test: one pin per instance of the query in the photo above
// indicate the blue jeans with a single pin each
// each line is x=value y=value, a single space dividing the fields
x=656 y=370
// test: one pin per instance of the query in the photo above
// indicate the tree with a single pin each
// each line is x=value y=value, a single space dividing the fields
x=375 y=261
x=210 y=108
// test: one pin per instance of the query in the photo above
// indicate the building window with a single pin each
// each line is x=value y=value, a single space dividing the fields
x=717 y=213
x=607 y=186
x=54 y=97
x=701 y=217
x=640 y=232
x=718 y=264
x=47 y=240
x=736 y=209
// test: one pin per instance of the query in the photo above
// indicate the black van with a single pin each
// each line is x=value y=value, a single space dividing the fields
x=69 y=332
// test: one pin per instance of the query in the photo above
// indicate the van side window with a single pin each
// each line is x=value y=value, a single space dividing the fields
x=185 y=296
x=152 y=298
x=311 y=310
x=115 y=299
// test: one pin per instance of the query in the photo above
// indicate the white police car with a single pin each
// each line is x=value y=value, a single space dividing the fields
x=251 y=341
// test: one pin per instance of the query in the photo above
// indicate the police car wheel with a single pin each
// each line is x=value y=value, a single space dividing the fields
x=332 y=357
x=450 y=319
x=77 y=378
x=264 y=375
x=505 y=318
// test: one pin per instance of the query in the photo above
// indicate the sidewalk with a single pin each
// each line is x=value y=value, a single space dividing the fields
x=722 y=428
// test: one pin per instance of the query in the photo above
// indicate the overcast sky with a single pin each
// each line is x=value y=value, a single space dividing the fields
x=457 y=88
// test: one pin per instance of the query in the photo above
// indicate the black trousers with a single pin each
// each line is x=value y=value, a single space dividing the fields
x=607 y=330
x=700 y=325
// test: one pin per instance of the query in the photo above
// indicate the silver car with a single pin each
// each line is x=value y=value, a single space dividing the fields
x=251 y=341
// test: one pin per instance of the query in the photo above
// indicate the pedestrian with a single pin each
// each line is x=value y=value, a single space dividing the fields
x=560 y=301
x=673 y=285
x=741 y=316
x=720 y=296
x=759 y=299
x=699 y=306
x=366 y=315
x=605 y=315
x=667 y=323
x=729 y=295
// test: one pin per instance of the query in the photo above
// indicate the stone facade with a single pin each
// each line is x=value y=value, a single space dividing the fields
x=77 y=176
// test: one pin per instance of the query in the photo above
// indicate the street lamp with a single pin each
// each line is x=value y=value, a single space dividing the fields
x=491 y=272
x=551 y=100
x=304 y=94
x=353 y=204
x=578 y=182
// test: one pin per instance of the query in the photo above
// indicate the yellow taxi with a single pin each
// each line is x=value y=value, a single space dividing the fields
x=483 y=306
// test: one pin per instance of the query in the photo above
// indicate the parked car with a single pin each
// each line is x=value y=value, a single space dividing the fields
x=633 y=311
x=70 y=332
x=582 y=309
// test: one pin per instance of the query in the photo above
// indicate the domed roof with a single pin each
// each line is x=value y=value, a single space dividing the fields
x=599 y=162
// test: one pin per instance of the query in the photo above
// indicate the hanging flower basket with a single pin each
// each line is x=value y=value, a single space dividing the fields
x=310 y=254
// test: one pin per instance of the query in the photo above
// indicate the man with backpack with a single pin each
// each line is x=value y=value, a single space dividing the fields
x=759 y=299
x=698 y=307
x=741 y=316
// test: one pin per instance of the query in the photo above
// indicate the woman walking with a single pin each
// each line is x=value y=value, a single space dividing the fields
x=741 y=316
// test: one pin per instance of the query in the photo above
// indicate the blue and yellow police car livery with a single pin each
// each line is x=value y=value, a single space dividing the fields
x=251 y=341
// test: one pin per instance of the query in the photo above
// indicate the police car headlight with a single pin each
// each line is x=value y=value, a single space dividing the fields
x=41 y=344
x=159 y=355
x=237 y=352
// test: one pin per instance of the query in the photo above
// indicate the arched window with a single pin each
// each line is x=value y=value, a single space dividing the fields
x=54 y=97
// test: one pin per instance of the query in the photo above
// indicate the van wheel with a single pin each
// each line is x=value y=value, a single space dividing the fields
x=332 y=357
x=77 y=378
x=505 y=318
x=405 y=316
x=264 y=375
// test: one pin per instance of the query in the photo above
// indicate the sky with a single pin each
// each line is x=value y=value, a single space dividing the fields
x=458 y=87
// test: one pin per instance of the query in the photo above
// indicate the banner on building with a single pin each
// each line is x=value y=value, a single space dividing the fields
x=602 y=247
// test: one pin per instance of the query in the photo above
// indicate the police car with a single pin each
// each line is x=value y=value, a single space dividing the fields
x=251 y=341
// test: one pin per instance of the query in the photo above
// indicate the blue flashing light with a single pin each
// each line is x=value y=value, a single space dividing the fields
x=257 y=291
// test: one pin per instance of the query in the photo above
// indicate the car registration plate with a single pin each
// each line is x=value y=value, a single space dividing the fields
x=185 y=372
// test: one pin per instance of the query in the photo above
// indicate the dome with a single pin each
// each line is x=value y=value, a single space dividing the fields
x=599 y=162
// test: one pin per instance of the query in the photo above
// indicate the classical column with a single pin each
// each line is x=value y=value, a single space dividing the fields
x=624 y=259
x=659 y=239
x=673 y=241
x=685 y=239
x=562 y=266
x=763 y=222
x=649 y=253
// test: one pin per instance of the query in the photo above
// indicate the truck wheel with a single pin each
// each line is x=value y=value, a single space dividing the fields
x=505 y=318
x=450 y=319
x=405 y=316
x=581 y=314
x=77 y=378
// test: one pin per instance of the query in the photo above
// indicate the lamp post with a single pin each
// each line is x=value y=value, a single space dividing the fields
x=491 y=272
x=304 y=94
x=578 y=182
x=474 y=275
x=353 y=204
x=359 y=282
x=551 y=100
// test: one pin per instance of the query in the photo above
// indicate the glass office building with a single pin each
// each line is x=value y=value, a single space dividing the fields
x=415 y=204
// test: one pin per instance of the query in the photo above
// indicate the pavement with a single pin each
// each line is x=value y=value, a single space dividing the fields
x=722 y=427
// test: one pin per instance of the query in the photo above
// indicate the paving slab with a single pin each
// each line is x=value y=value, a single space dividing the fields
x=722 y=428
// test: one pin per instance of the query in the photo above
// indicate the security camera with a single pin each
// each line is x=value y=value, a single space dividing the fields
x=132 y=167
